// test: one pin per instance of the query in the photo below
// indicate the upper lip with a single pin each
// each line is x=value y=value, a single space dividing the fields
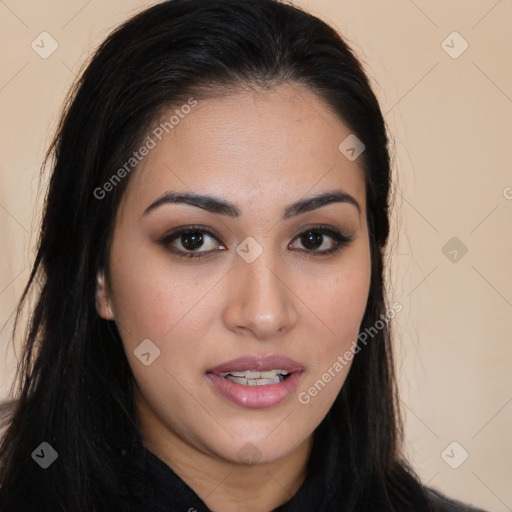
x=258 y=363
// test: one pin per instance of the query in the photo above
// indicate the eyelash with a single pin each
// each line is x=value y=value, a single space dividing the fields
x=339 y=238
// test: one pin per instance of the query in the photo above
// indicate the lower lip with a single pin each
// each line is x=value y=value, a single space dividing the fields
x=255 y=397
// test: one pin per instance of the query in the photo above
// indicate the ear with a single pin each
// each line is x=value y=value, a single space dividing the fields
x=103 y=303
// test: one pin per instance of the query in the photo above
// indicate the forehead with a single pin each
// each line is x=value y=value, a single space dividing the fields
x=259 y=148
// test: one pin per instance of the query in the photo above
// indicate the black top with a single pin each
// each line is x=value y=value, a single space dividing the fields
x=157 y=488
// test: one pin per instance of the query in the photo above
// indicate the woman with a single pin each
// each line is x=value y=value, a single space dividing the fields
x=211 y=331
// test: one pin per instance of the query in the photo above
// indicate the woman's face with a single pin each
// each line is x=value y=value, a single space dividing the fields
x=251 y=272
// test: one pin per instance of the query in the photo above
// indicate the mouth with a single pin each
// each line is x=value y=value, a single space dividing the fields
x=256 y=382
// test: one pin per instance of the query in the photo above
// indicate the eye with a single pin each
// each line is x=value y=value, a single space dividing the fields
x=192 y=241
x=321 y=240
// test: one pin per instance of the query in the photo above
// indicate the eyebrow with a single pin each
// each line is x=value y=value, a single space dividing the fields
x=223 y=207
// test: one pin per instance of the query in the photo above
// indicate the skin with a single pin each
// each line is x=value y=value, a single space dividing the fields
x=261 y=150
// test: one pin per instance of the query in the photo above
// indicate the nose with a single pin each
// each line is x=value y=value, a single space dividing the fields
x=261 y=303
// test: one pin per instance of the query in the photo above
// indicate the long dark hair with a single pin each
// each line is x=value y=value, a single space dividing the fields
x=74 y=382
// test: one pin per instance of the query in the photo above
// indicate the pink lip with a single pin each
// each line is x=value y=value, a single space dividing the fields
x=270 y=362
x=256 y=397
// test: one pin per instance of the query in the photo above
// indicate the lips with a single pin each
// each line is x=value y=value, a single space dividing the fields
x=259 y=364
x=262 y=392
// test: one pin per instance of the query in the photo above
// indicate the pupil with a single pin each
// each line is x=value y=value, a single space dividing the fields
x=192 y=240
x=312 y=239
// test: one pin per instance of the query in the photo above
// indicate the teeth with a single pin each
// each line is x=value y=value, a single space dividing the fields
x=270 y=374
x=253 y=382
x=248 y=375
x=254 y=378
x=251 y=374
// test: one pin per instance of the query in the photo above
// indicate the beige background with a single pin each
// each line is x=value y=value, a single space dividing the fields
x=451 y=119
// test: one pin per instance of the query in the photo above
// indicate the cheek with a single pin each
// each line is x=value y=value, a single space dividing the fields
x=338 y=300
x=344 y=301
x=152 y=298
x=171 y=309
x=339 y=297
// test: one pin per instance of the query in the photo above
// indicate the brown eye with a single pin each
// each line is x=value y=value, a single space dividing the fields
x=321 y=240
x=192 y=240
x=312 y=239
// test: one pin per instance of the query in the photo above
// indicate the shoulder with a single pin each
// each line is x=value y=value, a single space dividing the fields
x=440 y=503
